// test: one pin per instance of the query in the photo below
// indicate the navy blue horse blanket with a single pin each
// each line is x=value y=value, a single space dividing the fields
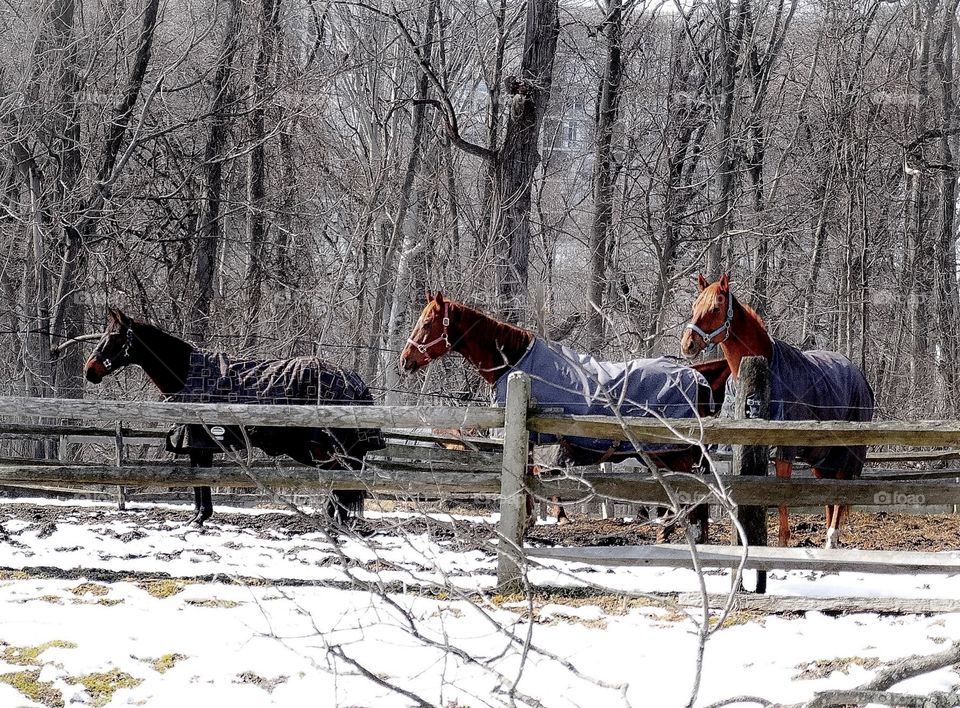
x=213 y=378
x=816 y=385
x=565 y=381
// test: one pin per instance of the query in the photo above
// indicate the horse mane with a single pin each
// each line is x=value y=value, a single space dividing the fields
x=750 y=313
x=485 y=327
x=491 y=345
x=160 y=363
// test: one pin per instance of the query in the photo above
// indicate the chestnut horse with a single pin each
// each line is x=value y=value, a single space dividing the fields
x=494 y=348
x=813 y=385
x=184 y=373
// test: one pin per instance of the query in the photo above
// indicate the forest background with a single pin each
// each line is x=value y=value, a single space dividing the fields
x=285 y=177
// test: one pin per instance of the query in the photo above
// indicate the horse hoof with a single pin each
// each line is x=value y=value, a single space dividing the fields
x=833 y=539
x=563 y=521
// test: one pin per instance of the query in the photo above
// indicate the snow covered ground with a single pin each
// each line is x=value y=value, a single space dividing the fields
x=109 y=608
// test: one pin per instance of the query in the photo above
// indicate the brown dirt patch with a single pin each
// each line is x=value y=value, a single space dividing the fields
x=882 y=531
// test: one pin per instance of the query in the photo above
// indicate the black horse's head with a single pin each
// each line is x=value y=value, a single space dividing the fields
x=113 y=351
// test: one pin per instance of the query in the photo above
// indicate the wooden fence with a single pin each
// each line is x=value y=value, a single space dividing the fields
x=503 y=468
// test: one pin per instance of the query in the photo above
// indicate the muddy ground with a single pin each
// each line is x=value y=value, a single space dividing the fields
x=880 y=531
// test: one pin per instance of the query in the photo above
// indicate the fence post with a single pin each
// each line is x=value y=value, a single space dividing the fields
x=513 y=498
x=121 y=492
x=753 y=401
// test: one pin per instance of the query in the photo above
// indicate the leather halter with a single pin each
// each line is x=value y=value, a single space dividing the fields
x=445 y=337
x=722 y=329
x=123 y=359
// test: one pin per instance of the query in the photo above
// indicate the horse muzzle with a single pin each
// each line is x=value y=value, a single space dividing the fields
x=94 y=371
x=690 y=348
x=408 y=362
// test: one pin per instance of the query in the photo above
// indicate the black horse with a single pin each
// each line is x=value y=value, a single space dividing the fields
x=184 y=373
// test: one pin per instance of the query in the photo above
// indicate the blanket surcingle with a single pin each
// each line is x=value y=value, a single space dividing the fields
x=565 y=381
x=816 y=385
x=213 y=378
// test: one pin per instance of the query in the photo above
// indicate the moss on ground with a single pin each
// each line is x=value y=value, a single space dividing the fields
x=29 y=656
x=822 y=668
x=95 y=589
x=166 y=662
x=102 y=685
x=30 y=685
x=161 y=589
x=225 y=604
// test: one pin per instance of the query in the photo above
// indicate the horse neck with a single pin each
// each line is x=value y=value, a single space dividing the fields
x=490 y=345
x=748 y=337
x=163 y=357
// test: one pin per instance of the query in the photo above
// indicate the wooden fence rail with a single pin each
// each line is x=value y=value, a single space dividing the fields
x=629 y=488
x=708 y=431
x=244 y=414
x=759 y=558
x=439 y=472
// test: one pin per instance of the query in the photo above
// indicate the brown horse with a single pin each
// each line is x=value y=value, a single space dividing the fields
x=814 y=385
x=495 y=348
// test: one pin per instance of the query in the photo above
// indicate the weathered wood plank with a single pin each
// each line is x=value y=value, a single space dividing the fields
x=513 y=478
x=753 y=403
x=242 y=414
x=439 y=454
x=398 y=481
x=757 y=491
x=913 y=456
x=60 y=490
x=483 y=444
x=789 y=604
x=635 y=488
x=762 y=558
x=108 y=439
x=754 y=432
x=75 y=430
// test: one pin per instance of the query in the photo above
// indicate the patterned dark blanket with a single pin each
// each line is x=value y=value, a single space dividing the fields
x=816 y=385
x=213 y=378
x=565 y=381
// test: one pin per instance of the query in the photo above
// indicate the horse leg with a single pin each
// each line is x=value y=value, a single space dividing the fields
x=833 y=511
x=202 y=498
x=557 y=510
x=834 y=522
x=700 y=515
x=828 y=513
x=342 y=505
x=784 y=471
x=666 y=531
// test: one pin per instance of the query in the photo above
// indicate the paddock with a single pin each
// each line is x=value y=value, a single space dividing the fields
x=413 y=467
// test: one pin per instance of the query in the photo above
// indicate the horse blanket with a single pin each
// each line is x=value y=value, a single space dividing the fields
x=213 y=378
x=565 y=381
x=816 y=385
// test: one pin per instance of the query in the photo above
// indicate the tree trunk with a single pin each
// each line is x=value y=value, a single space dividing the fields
x=603 y=173
x=405 y=232
x=260 y=90
x=518 y=157
x=730 y=38
x=209 y=225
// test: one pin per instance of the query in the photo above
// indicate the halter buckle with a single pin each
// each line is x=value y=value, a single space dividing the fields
x=724 y=328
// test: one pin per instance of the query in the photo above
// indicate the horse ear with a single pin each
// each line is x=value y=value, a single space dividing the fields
x=725 y=283
x=439 y=297
x=702 y=282
x=117 y=315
